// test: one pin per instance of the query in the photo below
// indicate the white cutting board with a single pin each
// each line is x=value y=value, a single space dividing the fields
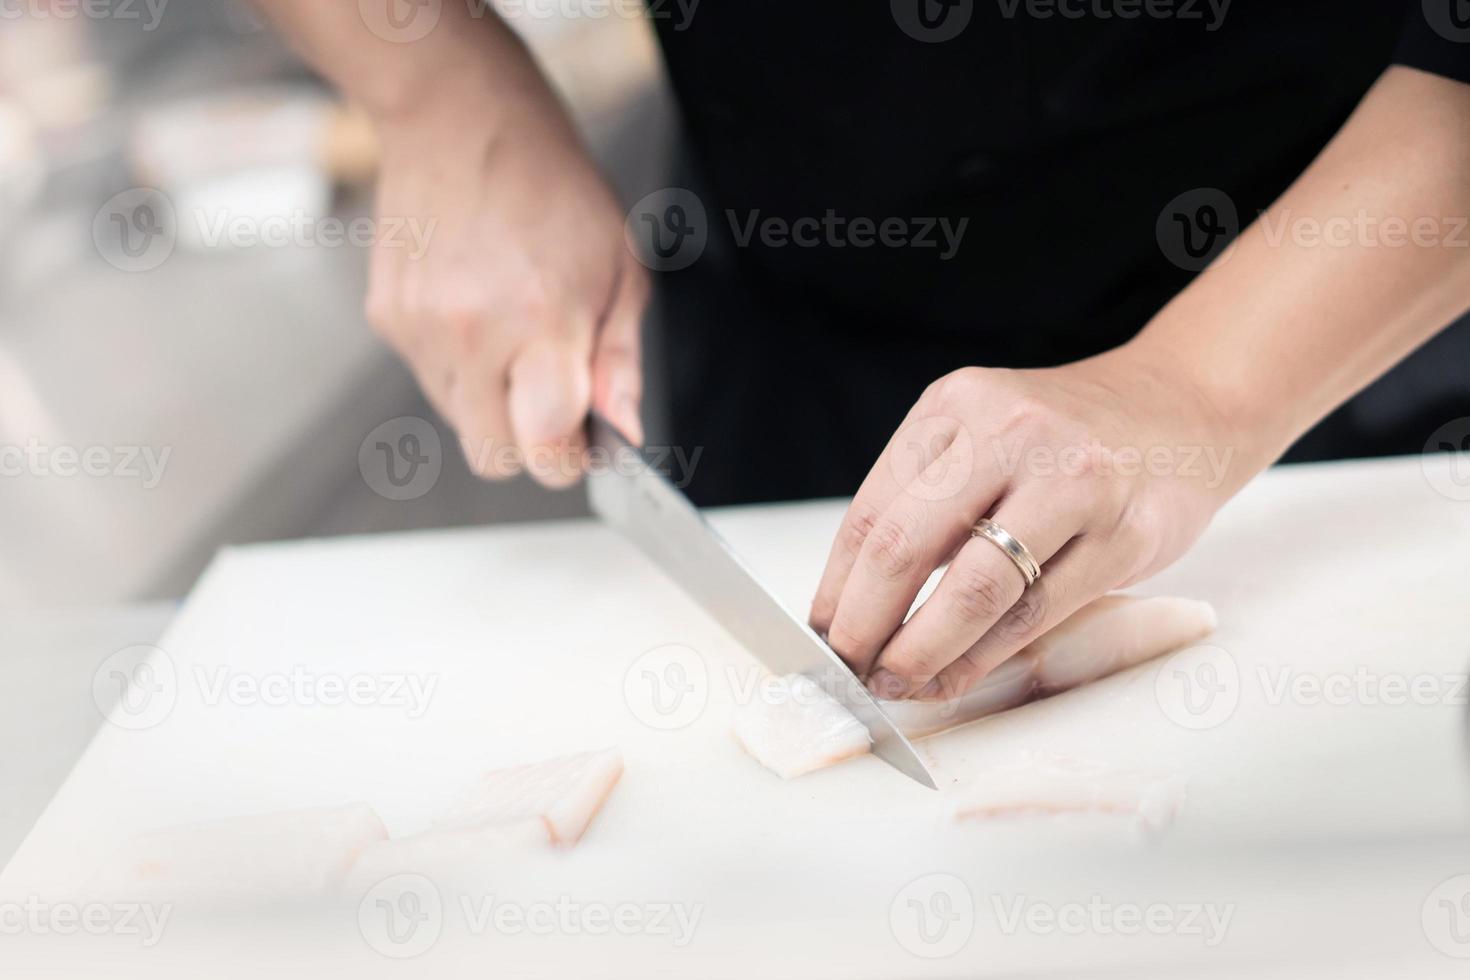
x=1324 y=826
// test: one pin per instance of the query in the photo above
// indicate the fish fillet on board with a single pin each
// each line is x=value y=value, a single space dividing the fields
x=795 y=727
x=1054 y=785
x=562 y=795
x=1102 y=638
x=509 y=814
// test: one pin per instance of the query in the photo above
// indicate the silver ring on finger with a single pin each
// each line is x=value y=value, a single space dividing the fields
x=1017 y=552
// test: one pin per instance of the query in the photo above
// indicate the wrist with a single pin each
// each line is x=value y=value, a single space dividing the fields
x=1201 y=410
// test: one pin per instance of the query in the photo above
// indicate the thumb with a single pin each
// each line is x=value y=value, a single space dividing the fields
x=616 y=369
x=550 y=390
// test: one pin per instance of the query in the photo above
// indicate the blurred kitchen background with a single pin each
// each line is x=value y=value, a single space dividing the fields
x=249 y=366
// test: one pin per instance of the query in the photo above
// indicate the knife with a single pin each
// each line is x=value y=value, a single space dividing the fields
x=640 y=502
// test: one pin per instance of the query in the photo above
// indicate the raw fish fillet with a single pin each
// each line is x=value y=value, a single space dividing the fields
x=792 y=727
x=797 y=735
x=1052 y=784
x=1101 y=638
x=292 y=855
x=562 y=795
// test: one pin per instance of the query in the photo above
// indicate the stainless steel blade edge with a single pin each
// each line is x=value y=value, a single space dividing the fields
x=656 y=517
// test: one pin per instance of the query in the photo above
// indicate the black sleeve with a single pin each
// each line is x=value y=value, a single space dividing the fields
x=1437 y=38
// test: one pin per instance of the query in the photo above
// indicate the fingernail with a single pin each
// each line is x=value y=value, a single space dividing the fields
x=627 y=409
x=887 y=685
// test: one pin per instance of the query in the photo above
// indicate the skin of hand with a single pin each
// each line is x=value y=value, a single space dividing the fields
x=1106 y=469
x=525 y=307
x=1097 y=466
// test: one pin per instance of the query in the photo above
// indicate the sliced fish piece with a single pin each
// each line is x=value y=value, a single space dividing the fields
x=286 y=856
x=562 y=795
x=792 y=736
x=1048 y=784
x=792 y=727
x=1102 y=638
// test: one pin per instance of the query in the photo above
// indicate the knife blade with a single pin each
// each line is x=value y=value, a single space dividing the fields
x=641 y=503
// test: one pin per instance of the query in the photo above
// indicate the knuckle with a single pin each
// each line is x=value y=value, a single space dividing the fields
x=1024 y=412
x=843 y=640
x=891 y=549
x=532 y=302
x=978 y=597
x=960 y=387
x=1024 y=621
x=856 y=527
x=910 y=663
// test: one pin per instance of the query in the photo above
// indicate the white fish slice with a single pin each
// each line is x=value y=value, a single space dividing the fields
x=1103 y=637
x=562 y=795
x=292 y=855
x=1056 y=785
x=794 y=727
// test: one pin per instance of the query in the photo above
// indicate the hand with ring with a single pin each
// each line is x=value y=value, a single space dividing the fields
x=1042 y=490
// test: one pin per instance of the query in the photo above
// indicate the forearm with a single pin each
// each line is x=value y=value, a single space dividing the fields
x=1362 y=260
x=470 y=69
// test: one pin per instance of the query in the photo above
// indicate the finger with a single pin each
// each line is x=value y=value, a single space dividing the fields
x=980 y=588
x=550 y=391
x=478 y=409
x=879 y=489
x=1074 y=578
x=617 y=375
x=907 y=542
